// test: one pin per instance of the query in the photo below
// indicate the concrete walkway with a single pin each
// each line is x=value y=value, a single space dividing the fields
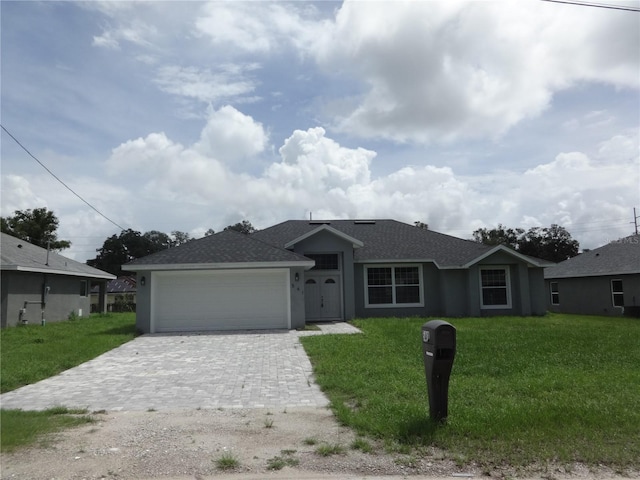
x=258 y=369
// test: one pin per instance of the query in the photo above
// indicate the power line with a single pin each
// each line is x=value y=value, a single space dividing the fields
x=58 y=179
x=597 y=5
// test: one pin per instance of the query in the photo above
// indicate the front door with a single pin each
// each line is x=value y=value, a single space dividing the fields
x=322 y=297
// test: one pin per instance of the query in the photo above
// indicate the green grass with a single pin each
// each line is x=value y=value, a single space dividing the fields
x=32 y=353
x=523 y=390
x=227 y=461
x=18 y=428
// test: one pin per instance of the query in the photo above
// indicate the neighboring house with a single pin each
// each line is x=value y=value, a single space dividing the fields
x=38 y=284
x=603 y=281
x=121 y=295
x=305 y=271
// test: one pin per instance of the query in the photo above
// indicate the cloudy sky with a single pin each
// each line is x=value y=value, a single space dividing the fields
x=192 y=115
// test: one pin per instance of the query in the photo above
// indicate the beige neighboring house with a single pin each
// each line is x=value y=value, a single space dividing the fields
x=121 y=295
x=40 y=285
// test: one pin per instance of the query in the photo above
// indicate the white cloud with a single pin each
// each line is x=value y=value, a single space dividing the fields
x=444 y=70
x=229 y=82
x=230 y=135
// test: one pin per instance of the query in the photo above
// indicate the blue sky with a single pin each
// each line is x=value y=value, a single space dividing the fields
x=194 y=115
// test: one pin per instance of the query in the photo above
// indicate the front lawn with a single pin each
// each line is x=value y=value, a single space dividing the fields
x=558 y=388
x=31 y=353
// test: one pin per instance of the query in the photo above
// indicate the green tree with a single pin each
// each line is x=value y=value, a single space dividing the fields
x=552 y=243
x=498 y=236
x=242 y=227
x=178 y=238
x=422 y=225
x=129 y=245
x=37 y=226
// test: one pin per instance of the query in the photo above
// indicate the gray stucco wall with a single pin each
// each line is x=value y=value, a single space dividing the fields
x=143 y=299
x=297 y=298
x=592 y=295
x=63 y=298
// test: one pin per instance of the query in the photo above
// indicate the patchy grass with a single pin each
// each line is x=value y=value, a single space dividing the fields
x=19 y=428
x=227 y=461
x=326 y=450
x=31 y=353
x=558 y=388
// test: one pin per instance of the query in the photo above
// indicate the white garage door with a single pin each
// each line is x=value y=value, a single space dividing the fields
x=220 y=300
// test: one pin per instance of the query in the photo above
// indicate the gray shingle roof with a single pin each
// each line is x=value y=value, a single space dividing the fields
x=19 y=255
x=616 y=258
x=385 y=240
x=225 y=247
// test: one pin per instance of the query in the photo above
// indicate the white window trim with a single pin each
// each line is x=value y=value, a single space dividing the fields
x=508 y=287
x=393 y=286
x=556 y=292
x=613 y=294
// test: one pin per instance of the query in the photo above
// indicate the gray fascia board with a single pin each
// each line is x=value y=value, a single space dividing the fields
x=18 y=268
x=402 y=260
x=354 y=241
x=217 y=266
x=600 y=274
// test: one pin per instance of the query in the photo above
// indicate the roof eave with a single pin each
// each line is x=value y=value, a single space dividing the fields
x=217 y=266
x=19 y=268
x=597 y=274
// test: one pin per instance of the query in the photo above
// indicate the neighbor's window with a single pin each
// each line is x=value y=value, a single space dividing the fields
x=495 y=288
x=555 y=293
x=83 y=288
x=617 y=293
x=390 y=285
x=324 y=261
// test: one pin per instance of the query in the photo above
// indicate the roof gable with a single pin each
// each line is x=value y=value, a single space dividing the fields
x=20 y=255
x=325 y=228
x=619 y=257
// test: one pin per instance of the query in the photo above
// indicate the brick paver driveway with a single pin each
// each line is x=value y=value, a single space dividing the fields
x=165 y=372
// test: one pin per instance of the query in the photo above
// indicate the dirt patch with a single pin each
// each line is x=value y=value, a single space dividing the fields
x=187 y=444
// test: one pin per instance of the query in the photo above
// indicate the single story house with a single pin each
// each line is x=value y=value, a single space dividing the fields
x=121 y=295
x=307 y=271
x=38 y=284
x=603 y=281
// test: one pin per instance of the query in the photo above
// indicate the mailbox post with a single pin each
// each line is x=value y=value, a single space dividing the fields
x=438 y=352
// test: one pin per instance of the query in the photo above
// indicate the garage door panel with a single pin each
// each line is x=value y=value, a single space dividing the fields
x=198 y=301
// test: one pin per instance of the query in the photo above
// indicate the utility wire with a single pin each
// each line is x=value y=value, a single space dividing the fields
x=597 y=5
x=58 y=179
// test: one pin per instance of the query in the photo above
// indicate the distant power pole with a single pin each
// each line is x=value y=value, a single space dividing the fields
x=635 y=219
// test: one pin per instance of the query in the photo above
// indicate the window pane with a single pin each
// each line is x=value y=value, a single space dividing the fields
x=555 y=299
x=379 y=276
x=554 y=287
x=616 y=286
x=494 y=296
x=407 y=276
x=408 y=294
x=494 y=278
x=618 y=300
x=324 y=261
x=380 y=295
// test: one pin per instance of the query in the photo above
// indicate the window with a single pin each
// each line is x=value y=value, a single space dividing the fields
x=555 y=293
x=617 y=293
x=83 y=288
x=495 y=288
x=324 y=261
x=393 y=285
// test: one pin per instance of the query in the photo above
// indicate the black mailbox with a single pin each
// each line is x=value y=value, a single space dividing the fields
x=438 y=351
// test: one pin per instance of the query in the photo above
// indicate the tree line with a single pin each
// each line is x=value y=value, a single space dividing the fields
x=39 y=226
